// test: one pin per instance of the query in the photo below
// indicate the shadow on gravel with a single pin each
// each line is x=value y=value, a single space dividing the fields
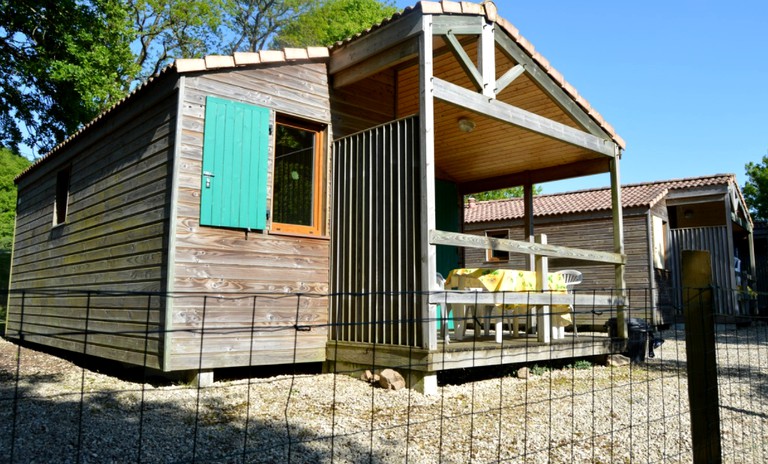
x=49 y=417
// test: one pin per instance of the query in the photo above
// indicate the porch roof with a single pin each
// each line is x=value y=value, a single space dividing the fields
x=522 y=122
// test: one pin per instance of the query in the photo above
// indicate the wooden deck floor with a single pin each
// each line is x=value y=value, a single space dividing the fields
x=473 y=352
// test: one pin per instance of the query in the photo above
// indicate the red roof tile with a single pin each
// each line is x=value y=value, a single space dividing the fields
x=584 y=201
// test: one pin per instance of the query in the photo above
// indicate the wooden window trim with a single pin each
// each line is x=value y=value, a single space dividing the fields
x=318 y=187
x=489 y=258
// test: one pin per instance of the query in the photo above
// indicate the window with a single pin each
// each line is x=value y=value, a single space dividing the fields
x=62 y=196
x=497 y=255
x=297 y=192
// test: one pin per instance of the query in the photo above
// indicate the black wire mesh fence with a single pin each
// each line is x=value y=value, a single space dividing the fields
x=566 y=401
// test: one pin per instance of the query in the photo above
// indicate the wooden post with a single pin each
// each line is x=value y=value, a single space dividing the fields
x=427 y=149
x=700 y=353
x=618 y=246
x=732 y=278
x=487 y=60
x=530 y=319
x=543 y=319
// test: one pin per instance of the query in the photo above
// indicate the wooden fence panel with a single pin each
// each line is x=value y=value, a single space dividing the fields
x=375 y=271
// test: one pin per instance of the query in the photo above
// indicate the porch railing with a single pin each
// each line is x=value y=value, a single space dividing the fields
x=541 y=251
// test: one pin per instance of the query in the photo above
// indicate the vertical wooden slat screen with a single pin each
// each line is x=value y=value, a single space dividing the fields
x=375 y=271
x=714 y=240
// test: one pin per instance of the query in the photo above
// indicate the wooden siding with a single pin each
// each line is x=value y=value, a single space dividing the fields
x=231 y=262
x=112 y=241
x=375 y=253
x=590 y=233
x=364 y=104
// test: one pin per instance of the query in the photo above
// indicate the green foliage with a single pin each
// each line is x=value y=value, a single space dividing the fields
x=582 y=364
x=539 y=370
x=168 y=29
x=64 y=61
x=756 y=189
x=253 y=23
x=503 y=194
x=330 y=21
x=11 y=165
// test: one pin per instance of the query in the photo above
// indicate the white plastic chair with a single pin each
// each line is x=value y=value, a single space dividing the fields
x=571 y=277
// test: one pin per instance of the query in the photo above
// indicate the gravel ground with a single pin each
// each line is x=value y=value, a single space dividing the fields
x=60 y=412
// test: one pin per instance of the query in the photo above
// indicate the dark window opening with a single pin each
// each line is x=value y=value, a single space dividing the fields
x=497 y=255
x=62 y=196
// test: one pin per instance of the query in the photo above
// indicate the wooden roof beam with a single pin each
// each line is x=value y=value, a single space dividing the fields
x=501 y=111
x=509 y=77
x=464 y=61
x=374 y=43
x=541 y=78
x=401 y=53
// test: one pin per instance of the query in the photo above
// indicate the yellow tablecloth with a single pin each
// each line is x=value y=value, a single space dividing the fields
x=511 y=280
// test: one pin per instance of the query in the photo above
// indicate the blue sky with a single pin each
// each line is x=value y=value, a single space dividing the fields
x=684 y=82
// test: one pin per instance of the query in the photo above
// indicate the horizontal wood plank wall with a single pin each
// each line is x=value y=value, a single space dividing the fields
x=375 y=245
x=714 y=240
x=236 y=264
x=364 y=104
x=592 y=234
x=112 y=240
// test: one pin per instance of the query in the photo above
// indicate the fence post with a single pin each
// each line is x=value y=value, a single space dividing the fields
x=700 y=352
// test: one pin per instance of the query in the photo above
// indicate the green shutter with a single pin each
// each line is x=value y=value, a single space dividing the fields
x=447 y=208
x=235 y=153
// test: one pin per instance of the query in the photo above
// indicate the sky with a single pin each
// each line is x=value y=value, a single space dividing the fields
x=685 y=83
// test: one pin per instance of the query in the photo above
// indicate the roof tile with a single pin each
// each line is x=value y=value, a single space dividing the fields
x=584 y=201
x=472 y=8
x=190 y=65
x=431 y=7
x=244 y=58
x=318 y=52
x=451 y=7
x=219 y=61
x=296 y=54
x=271 y=56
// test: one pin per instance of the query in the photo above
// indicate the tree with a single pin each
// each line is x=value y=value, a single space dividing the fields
x=504 y=194
x=253 y=23
x=756 y=189
x=11 y=165
x=64 y=61
x=168 y=29
x=333 y=20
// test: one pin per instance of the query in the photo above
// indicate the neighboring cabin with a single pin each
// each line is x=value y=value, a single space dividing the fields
x=203 y=221
x=660 y=219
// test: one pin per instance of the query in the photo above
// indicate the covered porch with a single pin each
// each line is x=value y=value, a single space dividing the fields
x=445 y=100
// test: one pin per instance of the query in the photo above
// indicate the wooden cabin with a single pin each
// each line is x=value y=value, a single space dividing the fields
x=661 y=219
x=239 y=206
x=158 y=221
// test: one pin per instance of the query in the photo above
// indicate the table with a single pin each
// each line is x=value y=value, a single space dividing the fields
x=501 y=280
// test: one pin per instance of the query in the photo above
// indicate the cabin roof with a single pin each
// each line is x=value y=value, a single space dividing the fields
x=313 y=54
x=583 y=201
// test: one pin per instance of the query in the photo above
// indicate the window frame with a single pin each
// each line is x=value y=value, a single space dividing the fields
x=61 y=196
x=317 y=229
x=495 y=233
x=659 y=233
